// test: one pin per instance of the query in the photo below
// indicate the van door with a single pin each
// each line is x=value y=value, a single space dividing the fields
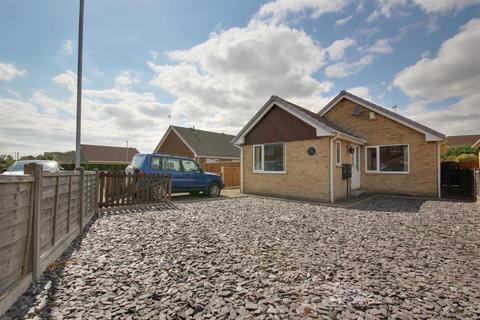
x=194 y=177
x=173 y=167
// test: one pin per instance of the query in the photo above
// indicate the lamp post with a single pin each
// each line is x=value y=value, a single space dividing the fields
x=79 y=85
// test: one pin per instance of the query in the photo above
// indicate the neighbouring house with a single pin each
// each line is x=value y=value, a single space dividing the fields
x=203 y=146
x=289 y=151
x=95 y=156
x=471 y=140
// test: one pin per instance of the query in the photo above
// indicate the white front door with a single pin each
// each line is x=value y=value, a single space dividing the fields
x=356 y=167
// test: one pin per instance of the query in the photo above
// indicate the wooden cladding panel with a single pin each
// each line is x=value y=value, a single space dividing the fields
x=279 y=125
x=175 y=146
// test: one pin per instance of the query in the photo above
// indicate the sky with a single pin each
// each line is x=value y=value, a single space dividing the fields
x=213 y=64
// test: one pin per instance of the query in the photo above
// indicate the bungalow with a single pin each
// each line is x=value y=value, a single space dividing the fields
x=351 y=146
x=203 y=146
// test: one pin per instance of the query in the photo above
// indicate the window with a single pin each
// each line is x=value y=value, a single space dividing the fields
x=171 y=164
x=155 y=163
x=190 y=166
x=390 y=159
x=338 y=153
x=269 y=158
x=138 y=161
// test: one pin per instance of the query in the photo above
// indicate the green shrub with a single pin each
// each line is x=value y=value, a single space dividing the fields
x=467 y=157
x=460 y=150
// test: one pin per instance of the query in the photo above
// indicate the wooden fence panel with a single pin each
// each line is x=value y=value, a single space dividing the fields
x=230 y=172
x=15 y=215
x=39 y=218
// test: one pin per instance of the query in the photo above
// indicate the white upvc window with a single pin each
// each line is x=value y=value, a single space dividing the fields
x=338 y=153
x=393 y=158
x=269 y=158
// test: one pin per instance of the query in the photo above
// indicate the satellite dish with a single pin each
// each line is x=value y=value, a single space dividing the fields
x=356 y=111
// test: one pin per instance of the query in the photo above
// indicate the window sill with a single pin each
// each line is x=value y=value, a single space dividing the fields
x=338 y=165
x=386 y=172
x=270 y=172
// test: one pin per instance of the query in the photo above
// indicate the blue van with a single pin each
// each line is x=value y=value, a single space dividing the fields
x=187 y=176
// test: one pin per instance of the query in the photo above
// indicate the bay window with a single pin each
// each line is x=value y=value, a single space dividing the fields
x=387 y=159
x=269 y=158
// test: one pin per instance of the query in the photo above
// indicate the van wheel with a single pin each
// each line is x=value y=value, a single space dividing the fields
x=213 y=190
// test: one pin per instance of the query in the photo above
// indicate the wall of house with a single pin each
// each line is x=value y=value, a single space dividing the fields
x=422 y=179
x=306 y=177
x=174 y=145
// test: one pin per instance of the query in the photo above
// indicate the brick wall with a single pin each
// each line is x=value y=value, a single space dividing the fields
x=422 y=179
x=306 y=176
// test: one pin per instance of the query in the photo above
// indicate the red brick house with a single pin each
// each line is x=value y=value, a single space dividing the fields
x=203 y=146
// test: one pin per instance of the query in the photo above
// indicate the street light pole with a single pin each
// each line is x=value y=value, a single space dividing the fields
x=79 y=85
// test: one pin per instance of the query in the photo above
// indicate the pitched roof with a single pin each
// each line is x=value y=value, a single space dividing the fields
x=62 y=157
x=467 y=140
x=324 y=127
x=208 y=143
x=106 y=154
x=385 y=112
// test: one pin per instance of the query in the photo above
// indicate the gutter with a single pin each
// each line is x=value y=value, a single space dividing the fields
x=331 y=167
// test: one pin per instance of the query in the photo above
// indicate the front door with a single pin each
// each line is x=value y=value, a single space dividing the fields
x=356 y=167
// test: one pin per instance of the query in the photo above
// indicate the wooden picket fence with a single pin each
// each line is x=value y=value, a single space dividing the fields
x=121 y=189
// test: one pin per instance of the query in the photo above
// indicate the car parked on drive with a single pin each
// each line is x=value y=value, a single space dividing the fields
x=18 y=167
x=187 y=176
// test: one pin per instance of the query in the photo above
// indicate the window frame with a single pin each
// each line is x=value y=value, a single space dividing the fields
x=338 y=153
x=377 y=148
x=262 y=161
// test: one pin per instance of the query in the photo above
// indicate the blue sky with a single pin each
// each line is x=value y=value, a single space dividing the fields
x=212 y=64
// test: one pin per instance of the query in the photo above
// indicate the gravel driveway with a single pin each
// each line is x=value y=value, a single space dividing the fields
x=259 y=258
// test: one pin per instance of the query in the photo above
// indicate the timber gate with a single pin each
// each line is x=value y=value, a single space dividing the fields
x=456 y=182
x=121 y=189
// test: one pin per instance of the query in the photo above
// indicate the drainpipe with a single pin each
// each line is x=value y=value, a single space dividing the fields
x=439 y=169
x=331 y=166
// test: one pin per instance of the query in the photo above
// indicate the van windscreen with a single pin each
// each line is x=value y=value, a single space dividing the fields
x=138 y=161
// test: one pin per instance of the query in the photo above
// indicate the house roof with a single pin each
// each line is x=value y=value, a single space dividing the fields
x=430 y=134
x=467 y=140
x=62 y=157
x=323 y=126
x=207 y=143
x=106 y=154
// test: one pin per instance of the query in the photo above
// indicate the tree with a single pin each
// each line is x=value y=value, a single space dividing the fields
x=6 y=161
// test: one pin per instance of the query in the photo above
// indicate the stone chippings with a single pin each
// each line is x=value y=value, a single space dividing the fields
x=256 y=258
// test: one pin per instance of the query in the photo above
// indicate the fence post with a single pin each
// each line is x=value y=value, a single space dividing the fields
x=82 y=197
x=37 y=171
x=97 y=191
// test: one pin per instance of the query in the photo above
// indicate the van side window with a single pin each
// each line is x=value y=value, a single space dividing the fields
x=155 y=164
x=171 y=164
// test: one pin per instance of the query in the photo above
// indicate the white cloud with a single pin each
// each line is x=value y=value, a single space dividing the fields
x=387 y=8
x=109 y=116
x=220 y=83
x=336 y=51
x=362 y=92
x=453 y=73
x=443 y=6
x=278 y=10
x=343 y=21
x=345 y=69
x=381 y=46
x=67 y=48
x=8 y=72
x=126 y=80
